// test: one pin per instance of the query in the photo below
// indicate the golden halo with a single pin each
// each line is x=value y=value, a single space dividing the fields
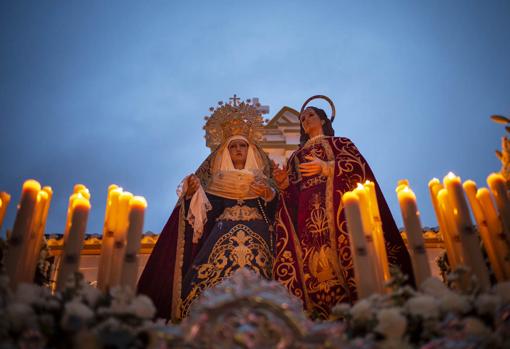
x=326 y=98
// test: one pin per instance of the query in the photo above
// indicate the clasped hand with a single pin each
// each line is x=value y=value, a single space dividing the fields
x=262 y=189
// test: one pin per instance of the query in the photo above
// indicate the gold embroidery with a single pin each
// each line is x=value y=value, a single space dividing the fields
x=177 y=281
x=317 y=223
x=240 y=213
x=313 y=182
x=240 y=247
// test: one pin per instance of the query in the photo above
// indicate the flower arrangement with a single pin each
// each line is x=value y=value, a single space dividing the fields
x=246 y=311
x=81 y=317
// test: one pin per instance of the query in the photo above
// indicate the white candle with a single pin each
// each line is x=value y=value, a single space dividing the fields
x=36 y=233
x=495 y=229
x=72 y=248
x=457 y=256
x=481 y=222
x=17 y=250
x=434 y=187
x=468 y=237
x=378 y=233
x=497 y=184
x=412 y=224
x=368 y=228
x=5 y=198
x=119 y=246
x=105 y=260
x=364 y=271
x=134 y=234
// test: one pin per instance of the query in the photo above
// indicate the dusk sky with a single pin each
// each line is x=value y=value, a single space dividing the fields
x=102 y=92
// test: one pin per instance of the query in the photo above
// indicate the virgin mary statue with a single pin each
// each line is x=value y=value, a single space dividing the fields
x=222 y=220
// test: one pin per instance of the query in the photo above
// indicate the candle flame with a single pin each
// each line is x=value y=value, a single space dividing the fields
x=450 y=175
x=360 y=186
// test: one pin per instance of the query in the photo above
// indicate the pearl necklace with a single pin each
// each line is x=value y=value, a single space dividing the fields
x=313 y=140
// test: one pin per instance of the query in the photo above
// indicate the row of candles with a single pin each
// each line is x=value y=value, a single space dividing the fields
x=462 y=241
x=123 y=227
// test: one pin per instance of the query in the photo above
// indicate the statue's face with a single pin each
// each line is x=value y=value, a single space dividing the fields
x=311 y=121
x=238 y=150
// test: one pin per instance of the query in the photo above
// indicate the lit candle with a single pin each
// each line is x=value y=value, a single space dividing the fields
x=16 y=251
x=120 y=232
x=412 y=224
x=401 y=184
x=495 y=229
x=105 y=260
x=72 y=247
x=364 y=266
x=457 y=255
x=434 y=187
x=35 y=237
x=468 y=237
x=368 y=228
x=378 y=233
x=481 y=222
x=129 y=273
x=5 y=198
x=497 y=184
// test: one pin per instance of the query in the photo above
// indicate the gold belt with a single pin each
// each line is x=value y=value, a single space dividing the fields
x=240 y=213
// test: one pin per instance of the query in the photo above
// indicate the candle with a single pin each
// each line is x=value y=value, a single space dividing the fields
x=412 y=224
x=401 y=184
x=368 y=228
x=72 y=247
x=5 y=198
x=457 y=255
x=468 y=237
x=34 y=239
x=481 y=222
x=120 y=238
x=105 y=260
x=378 y=233
x=129 y=273
x=364 y=266
x=495 y=229
x=16 y=252
x=434 y=187
x=497 y=184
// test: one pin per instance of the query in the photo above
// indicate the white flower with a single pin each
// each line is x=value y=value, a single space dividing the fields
x=20 y=315
x=90 y=294
x=391 y=323
x=502 y=289
x=434 y=287
x=76 y=309
x=455 y=303
x=142 y=307
x=362 y=310
x=341 y=309
x=424 y=306
x=487 y=304
x=394 y=343
x=474 y=327
x=28 y=293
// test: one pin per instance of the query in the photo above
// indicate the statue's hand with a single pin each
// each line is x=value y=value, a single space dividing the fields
x=314 y=167
x=280 y=176
x=193 y=185
x=263 y=190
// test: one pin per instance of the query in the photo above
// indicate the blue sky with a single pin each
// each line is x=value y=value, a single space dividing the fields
x=98 y=92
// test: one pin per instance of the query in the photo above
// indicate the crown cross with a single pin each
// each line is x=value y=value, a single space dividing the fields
x=234 y=100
